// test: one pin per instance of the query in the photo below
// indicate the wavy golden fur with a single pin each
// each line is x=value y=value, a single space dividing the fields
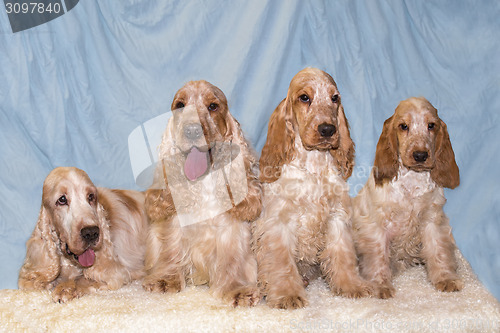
x=305 y=227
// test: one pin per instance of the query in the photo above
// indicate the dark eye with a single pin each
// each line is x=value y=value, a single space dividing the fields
x=62 y=201
x=404 y=127
x=91 y=198
x=304 y=98
x=213 y=107
x=335 y=98
x=431 y=126
x=179 y=105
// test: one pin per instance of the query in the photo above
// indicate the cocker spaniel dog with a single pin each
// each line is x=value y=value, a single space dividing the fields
x=305 y=227
x=86 y=237
x=399 y=219
x=205 y=193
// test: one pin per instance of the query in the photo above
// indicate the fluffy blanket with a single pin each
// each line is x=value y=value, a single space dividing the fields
x=417 y=307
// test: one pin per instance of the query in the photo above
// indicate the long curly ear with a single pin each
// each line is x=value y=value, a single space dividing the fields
x=386 y=155
x=42 y=263
x=344 y=154
x=445 y=173
x=248 y=196
x=279 y=147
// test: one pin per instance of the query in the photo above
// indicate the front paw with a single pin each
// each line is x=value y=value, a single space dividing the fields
x=449 y=285
x=385 y=291
x=244 y=296
x=356 y=289
x=162 y=285
x=288 y=302
x=65 y=292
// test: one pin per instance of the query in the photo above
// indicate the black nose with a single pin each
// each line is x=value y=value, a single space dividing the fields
x=420 y=156
x=326 y=130
x=193 y=131
x=89 y=234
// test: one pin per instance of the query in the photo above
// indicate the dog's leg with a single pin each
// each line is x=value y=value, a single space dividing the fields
x=373 y=247
x=164 y=258
x=278 y=273
x=233 y=275
x=439 y=254
x=339 y=261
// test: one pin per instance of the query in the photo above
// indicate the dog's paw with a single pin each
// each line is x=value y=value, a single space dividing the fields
x=65 y=292
x=450 y=285
x=162 y=285
x=385 y=291
x=356 y=290
x=287 y=302
x=244 y=296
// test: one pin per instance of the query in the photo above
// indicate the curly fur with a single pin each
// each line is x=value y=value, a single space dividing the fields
x=398 y=215
x=119 y=249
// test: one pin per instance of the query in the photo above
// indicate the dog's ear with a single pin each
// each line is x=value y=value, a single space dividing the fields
x=344 y=154
x=386 y=155
x=42 y=263
x=279 y=147
x=445 y=173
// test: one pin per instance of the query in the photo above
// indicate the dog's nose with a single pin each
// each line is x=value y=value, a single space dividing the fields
x=420 y=156
x=89 y=234
x=326 y=130
x=193 y=131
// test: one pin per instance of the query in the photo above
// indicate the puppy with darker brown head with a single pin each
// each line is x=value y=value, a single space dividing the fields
x=305 y=228
x=86 y=237
x=398 y=216
x=313 y=110
x=204 y=195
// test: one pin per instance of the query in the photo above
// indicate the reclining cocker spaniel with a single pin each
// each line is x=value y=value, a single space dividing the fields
x=86 y=237
x=398 y=215
x=305 y=227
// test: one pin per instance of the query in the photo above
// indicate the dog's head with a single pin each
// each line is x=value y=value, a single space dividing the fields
x=415 y=137
x=70 y=203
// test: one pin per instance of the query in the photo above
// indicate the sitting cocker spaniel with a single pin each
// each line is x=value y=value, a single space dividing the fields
x=86 y=237
x=305 y=227
x=398 y=215
x=204 y=195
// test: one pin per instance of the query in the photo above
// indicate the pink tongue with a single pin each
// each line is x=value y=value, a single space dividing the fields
x=86 y=259
x=196 y=164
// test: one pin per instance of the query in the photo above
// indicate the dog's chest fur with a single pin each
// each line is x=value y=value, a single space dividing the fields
x=410 y=200
x=306 y=195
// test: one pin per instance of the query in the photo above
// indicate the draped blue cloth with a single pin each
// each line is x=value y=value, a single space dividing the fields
x=72 y=91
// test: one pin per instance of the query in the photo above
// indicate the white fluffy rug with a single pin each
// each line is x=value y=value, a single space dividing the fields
x=417 y=307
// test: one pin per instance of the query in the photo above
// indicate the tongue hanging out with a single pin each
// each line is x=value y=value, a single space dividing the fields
x=196 y=164
x=87 y=258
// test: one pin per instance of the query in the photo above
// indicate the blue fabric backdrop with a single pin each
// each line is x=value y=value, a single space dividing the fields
x=73 y=89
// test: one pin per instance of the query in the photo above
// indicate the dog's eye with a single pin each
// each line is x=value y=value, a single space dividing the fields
x=335 y=98
x=179 y=105
x=431 y=126
x=304 y=98
x=62 y=201
x=213 y=107
x=404 y=127
x=91 y=198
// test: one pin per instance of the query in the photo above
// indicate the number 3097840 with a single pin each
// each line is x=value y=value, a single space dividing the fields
x=32 y=7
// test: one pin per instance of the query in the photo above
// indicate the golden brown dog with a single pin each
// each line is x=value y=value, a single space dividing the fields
x=204 y=195
x=305 y=227
x=398 y=216
x=86 y=238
